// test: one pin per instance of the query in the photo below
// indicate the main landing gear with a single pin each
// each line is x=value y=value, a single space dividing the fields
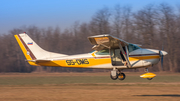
x=117 y=74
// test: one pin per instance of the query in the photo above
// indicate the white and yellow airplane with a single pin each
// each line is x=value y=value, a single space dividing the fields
x=109 y=53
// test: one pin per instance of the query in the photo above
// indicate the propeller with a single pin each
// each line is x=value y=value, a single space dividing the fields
x=162 y=54
x=161 y=59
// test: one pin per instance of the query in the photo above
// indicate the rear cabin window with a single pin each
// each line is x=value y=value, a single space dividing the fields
x=103 y=52
x=132 y=47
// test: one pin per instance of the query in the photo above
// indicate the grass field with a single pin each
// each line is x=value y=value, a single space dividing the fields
x=87 y=87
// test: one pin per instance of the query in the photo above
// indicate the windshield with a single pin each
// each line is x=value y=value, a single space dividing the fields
x=92 y=51
x=103 y=52
x=132 y=47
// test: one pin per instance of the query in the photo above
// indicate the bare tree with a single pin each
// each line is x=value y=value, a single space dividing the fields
x=145 y=23
x=167 y=27
x=128 y=29
x=117 y=21
x=101 y=21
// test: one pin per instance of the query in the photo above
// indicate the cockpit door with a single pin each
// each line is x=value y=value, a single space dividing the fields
x=116 y=58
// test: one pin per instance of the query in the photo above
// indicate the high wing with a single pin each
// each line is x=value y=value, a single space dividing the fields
x=107 y=41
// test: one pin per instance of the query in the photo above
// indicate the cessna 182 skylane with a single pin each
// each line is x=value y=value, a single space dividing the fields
x=109 y=53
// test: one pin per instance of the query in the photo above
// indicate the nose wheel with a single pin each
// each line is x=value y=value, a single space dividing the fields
x=147 y=72
x=149 y=78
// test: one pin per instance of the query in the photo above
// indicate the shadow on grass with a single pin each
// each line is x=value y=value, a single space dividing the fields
x=164 y=95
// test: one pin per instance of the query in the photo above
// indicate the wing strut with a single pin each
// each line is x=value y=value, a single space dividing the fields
x=105 y=46
x=127 y=60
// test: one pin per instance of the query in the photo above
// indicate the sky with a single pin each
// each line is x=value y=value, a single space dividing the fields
x=61 y=13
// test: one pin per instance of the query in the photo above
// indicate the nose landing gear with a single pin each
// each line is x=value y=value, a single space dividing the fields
x=148 y=75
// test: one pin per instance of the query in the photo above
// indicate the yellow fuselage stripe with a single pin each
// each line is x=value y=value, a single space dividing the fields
x=143 y=58
x=93 y=61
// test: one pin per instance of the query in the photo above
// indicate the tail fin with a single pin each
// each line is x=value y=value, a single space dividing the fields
x=32 y=51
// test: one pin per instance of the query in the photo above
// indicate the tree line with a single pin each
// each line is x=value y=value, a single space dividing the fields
x=153 y=26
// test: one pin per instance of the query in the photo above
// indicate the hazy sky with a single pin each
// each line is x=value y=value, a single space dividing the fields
x=62 y=13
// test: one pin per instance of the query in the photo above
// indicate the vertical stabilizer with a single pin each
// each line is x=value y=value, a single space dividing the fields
x=32 y=51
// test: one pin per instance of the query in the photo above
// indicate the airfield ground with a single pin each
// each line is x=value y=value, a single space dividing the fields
x=88 y=87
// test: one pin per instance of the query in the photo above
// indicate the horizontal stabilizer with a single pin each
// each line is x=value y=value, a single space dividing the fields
x=39 y=61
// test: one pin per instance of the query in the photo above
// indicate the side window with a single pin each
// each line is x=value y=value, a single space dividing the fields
x=103 y=52
x=132 y=47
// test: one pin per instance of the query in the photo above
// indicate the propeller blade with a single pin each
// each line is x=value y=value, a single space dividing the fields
x=161 y=58
x=162 y=63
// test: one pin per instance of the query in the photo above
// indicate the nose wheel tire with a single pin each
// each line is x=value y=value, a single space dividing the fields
x=149 y=78
x=121 y=76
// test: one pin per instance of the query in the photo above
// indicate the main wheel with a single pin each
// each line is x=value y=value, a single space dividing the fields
x=121 y=76
x=114 y=77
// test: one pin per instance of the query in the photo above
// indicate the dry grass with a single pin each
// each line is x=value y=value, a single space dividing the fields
x=79 y=74
x=92 y=90
x=90 y=93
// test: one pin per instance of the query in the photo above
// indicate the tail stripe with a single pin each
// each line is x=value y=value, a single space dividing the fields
x=26 y=47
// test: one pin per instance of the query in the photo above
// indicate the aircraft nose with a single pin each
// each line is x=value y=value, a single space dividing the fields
x=163 y=53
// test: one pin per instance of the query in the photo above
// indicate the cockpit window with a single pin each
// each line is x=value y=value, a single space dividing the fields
x=103 y=52
x=132 y=47
x=92 y=51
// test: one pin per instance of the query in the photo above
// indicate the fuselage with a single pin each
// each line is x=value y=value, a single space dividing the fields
x=138 y=58
x=123 y=57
